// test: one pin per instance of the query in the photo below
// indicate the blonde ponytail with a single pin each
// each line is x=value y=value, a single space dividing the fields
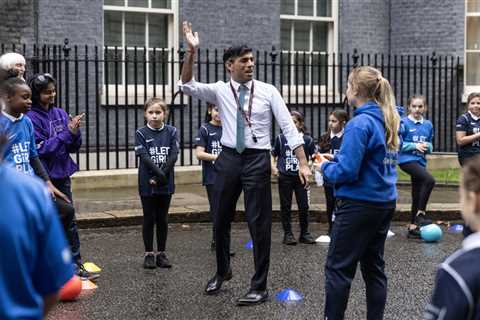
x=386 y=101
x=371 y=85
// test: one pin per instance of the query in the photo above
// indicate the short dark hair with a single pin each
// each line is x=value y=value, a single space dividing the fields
x=8 y=87
x=235 y=52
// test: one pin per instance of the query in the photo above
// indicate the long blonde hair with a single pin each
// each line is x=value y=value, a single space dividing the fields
x=369 y=84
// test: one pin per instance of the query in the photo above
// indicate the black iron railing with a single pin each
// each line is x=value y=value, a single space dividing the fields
x=110 y=84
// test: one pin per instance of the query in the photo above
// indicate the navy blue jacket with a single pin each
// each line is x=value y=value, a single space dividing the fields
x=364 y=169
x=457 y=285
x=470 y=126
x=287 y=162
x=209 y=137
x=159 y=145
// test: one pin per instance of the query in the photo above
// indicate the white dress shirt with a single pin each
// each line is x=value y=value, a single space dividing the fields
x=266 y=99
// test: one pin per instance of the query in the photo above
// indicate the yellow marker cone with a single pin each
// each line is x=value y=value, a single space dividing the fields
x=91 y=267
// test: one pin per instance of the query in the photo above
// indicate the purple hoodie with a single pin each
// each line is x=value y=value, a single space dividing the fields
x=54 y=141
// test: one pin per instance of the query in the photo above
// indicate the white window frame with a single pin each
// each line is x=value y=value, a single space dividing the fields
x=173 y=42
x=468 y=88
x=332 y=44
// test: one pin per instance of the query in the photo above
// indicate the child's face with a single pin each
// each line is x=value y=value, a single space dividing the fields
x=297 y=123
x=474 y=106
x=215 y=114
x=351 y=95
x=19 y=69
x=155 y=115
x=334 y=124
x=417 y=108
x=47 y=96
x=20 y=102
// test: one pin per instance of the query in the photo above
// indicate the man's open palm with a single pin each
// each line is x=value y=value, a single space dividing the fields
x=191 y=37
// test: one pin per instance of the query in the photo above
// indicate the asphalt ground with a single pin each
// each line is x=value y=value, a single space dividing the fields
x=127 y=291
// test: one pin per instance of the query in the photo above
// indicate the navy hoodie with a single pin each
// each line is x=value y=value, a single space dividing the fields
x=364 y=169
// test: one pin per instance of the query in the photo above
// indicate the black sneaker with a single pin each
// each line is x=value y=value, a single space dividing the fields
x=414 y=233
x=83 y=274
x=289 y=239
x=422 y=220
x=162 y=260
x=149 y=261
x=306 y=238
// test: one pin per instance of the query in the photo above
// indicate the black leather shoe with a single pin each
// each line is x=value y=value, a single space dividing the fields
x=289 y=239
x=215 y=284
x=307 y=238
x=253 y=297
x=232 y=253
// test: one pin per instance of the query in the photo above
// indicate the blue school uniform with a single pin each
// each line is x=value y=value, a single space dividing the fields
x=469 y=124
x=35 y=260
x=457 y=284
x=412 y=132
x=21 y=142
x=159 y=144
x=287 y=162
x=209 y=136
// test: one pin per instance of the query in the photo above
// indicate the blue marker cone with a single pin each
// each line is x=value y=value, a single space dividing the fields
x=249 y=245
x=289 y=296
x=455 y=228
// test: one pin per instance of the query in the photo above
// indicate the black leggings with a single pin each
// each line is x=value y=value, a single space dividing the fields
x=155 y=211
x=287 y=185
x=422 y=186
x=330 y=199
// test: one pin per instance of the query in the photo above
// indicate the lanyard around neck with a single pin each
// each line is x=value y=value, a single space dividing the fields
x=247 y=116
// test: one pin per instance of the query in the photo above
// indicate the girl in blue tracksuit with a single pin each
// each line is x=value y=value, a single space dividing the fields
x=330 y=142
x=207 y=149
x=286 y=168
x=364 y=175
x=157 y=146
x=417 y=134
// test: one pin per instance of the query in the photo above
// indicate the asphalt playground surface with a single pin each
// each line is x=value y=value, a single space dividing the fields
x=127 y=291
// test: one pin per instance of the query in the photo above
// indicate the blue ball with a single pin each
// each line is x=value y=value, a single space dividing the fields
x=431 y=233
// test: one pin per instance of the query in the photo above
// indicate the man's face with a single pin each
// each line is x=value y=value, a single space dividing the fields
x=241 y=68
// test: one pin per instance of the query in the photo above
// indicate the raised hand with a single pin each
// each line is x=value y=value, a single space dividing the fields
x=190 y=37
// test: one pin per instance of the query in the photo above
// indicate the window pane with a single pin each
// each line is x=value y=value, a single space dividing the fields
x=287 y=7
x=320 y=36
x=473 y=33
x=135 y=65
x=114 y=2
x=134 y=29
x=324 y=8
x=113 y=28
x=305 y=8
x=473 y=65
x=138 y=3
x=158 y=67
x=158 y=30
x=302 y=36
x=113 y=62
x=165 y=4
x=473 y=6
x=285 y=34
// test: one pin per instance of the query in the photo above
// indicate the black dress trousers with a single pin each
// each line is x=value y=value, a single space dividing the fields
x=249 y=171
